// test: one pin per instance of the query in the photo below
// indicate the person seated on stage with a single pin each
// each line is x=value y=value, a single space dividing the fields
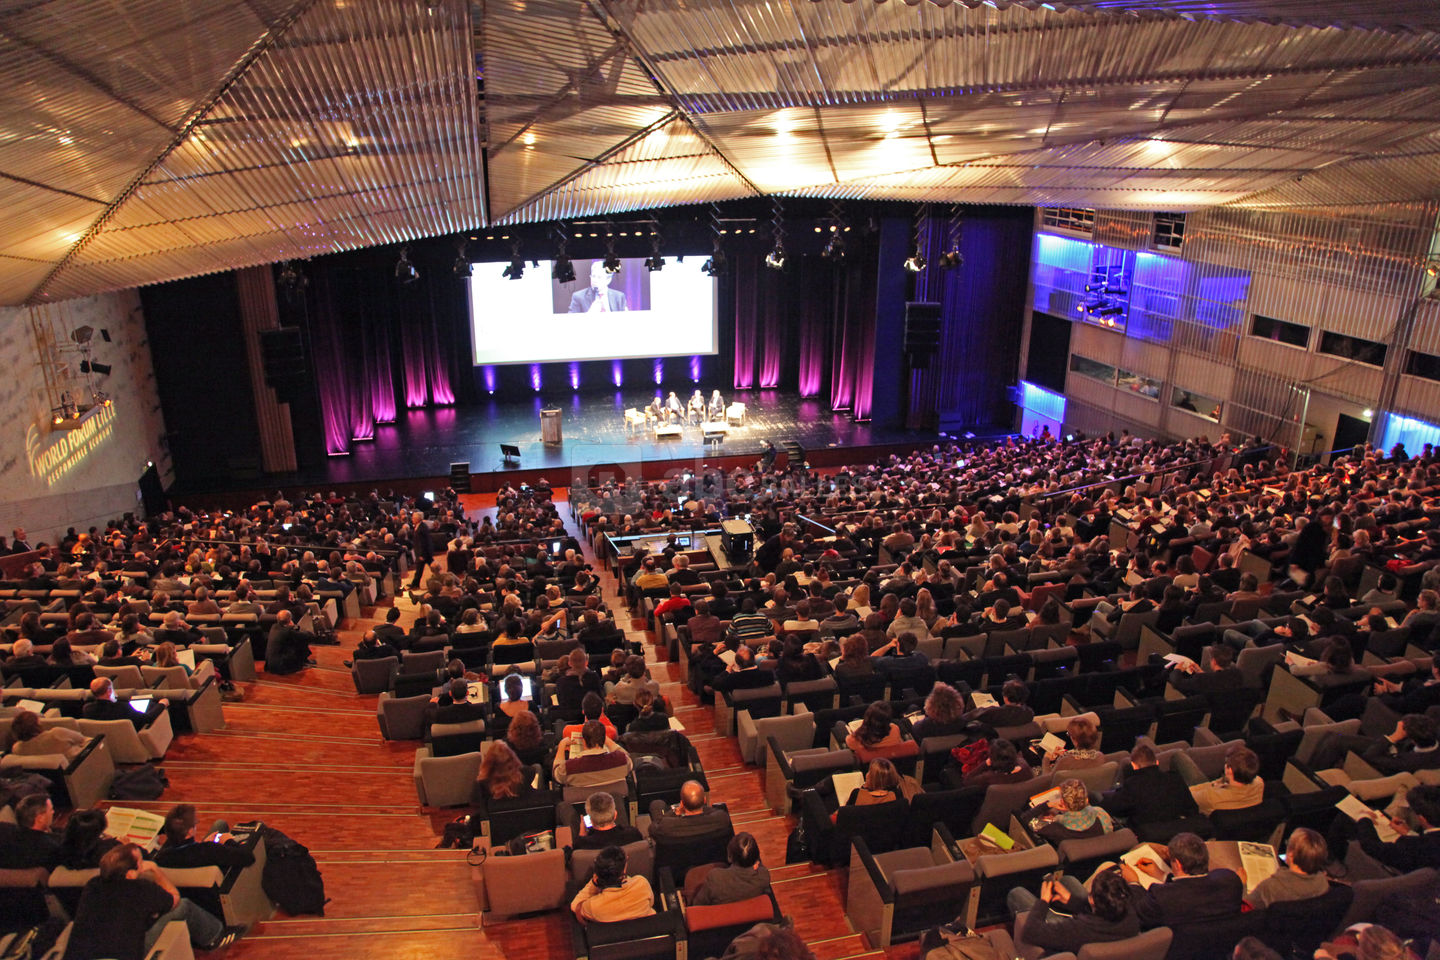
x=717 y=406
x=673 y=408
x=696 y=407
x=656 y=410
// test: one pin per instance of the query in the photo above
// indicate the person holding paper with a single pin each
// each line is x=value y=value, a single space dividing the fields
x=1191 y=679
x=877 y=735
x=1149 y=795
x=1417 y=846
x=106 y=706
x=1071 y=816
x=1011 y=712
x=182 y=850
x=944 y=714
x=1303 y=877
x=1193 y=893
x=1103 y=915
x=1083 y=752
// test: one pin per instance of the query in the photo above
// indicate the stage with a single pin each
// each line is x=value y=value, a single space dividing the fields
x=423 y=443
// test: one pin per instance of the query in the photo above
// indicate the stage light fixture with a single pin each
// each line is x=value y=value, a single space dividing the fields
x=915 y=263
x=292 y=280
x=951 y=259
x=775 y=259
x=461 y=266
x=562 y=270
x=611 y=263
x=82 y=334
x=92 y=366
x=654 y=262
x=405 y=270
x=834 y=248
x=515 y=271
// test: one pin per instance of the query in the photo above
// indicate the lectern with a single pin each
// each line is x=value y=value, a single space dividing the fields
x=550 y=425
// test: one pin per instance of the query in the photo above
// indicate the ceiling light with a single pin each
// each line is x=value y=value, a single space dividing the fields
x=915 y=263
x=528 y=139
x=714 y=265
x=82 y=334
x=292 y=281
x=1368 y=413
x=405 y=271
x=461 y=266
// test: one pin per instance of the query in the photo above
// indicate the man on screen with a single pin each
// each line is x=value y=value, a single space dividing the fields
x=598 y=297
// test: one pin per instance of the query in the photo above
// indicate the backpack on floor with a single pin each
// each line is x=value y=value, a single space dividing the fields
x=955 y=941
x=291 y=878
x=139 y=783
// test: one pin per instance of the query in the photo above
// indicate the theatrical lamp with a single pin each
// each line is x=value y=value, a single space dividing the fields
x=654 y=262
x=775 y=259
x=611 y=263
x=714 y=265
x=951 y=259
x=92 y=366
x=834 y=248
x=405 y=271
x=1110 y=311
x=516 y=270
x=562 y=270
x=915 y=263
x=461 y=266
x=82 y=335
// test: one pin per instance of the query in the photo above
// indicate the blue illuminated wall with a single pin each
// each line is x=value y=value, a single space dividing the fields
x=1414 y=433
x=1040 y=408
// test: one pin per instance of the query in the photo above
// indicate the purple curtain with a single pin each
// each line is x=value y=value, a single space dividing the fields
x=437 y=369
x=818 y=279
x=378 y=370
x=852 y=356
x=331 y=377
x=774 y=324
x=742 y=277
x=414 y=364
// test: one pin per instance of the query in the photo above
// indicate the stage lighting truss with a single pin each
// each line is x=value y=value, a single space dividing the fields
x=952 y=257
x=835 y=246
x=654 y=261
x=561 y=270
x=1106 y=294
x=775 y=259
x=461 y=266
x=916 y=261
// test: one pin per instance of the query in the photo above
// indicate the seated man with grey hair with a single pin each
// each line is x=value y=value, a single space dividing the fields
x=602 y=827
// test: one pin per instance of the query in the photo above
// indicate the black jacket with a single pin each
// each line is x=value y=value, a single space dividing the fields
x=1150 y=795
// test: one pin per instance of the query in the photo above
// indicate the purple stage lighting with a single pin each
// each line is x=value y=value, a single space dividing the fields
x=489 y=379
x=535 y=376
x=659 y=372
x=694 y=369
x=574 y=376
x=617 y=373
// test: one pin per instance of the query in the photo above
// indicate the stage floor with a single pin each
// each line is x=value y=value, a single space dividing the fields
x=425 y=442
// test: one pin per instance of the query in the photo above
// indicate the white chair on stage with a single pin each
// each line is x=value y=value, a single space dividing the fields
x=634 y=420
x=735 y=414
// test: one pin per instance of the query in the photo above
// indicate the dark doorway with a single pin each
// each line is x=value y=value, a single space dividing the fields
x=1349 y=431
x=152 y=492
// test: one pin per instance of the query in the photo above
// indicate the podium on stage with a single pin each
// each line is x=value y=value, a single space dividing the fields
x=550 y=425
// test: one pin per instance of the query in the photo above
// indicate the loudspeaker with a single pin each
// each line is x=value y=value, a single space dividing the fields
x=282 y=357
x=460 y=477
x=922 y=328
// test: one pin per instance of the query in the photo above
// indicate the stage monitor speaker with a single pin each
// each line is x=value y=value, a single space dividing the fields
x=282 y=358
x=460 y=477
x=922 y=332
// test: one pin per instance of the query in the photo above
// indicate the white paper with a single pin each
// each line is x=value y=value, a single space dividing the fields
x=676 y=725
x=129 y=825
x=981 y=699
x=34 y=706
x=727 y=656
x=1146 y=852
x=845 y=783
x=186 y=657
x=1180 y=660
x=1050 y=743
x=1293 y=659
x=1357 y=810
x=1259 y=862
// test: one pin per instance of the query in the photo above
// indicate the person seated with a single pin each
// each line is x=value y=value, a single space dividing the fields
x=527 y=739
x=636 y=677
x=1301 y=877
x=745 y=673
x=1002 y=765
x=84 y=841
x=716 y=409
x=372 y=647
x=592 y=707
x=650 y=718
x=62 y=654
x=598 y=762
x=29 y=842
x=673 y=409
x=691 y=818
x=695 y=409
x=795 y=665
x=503 y=781
x=576 y=683
x=650 y=576
x=855 y=662
x=602 y=827
x=287 y=650
x=1012 y=710
x=511 y=705
x=1104 y=914
x=876 y=736
x=655 y=410
x=22 y=657
x=1410 y=747
x=181 y=850
x=1417 y=846
x=1222 y=677
x=1084 y=749
x=123 y=911
x=105 y=705
x=677 y=605
x=1148 y=794
x=900 y=663
x=1192 y=894
x=944 y=714
x=611 y=895
x=883 y=784
x=1071 y=816
x=165 y=655
x=1241 y=785
x=29 y=738
x=742 y=877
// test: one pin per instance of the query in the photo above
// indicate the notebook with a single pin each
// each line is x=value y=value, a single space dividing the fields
x=1050 y=743
x=1146 y=852
x=1357 y=810
x=846 y=783
x=186 y=657
x=981 y=699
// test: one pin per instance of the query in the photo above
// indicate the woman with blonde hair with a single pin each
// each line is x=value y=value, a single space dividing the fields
x=165 y=655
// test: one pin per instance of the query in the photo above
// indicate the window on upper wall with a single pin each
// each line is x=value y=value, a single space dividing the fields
x=1169 y=231
x=1093 y=369
x=1425 y=365
x=1069 y=218
x=1281 y=331
x=1196 y=403
x=1137 y=384
x=1352 y=348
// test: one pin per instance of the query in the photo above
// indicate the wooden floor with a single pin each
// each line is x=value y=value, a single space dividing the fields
x=304 y=754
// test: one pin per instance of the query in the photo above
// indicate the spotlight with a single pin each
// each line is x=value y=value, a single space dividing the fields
x=834 y=248
x=405 y=271
x=292 y=281
x=92 y=366
x=562 y=270
x=611 y=263
x=775 y=259
x=951 y=259
x=915 y=263
x=715 y=265
x=461 y=267
x=654 y=262
x=516 y=270
x=82 y=334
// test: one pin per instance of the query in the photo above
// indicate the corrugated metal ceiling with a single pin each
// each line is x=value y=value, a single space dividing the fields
x=144 y=140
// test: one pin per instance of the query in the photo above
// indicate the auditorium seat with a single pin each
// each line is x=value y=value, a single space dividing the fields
x=896 y=895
